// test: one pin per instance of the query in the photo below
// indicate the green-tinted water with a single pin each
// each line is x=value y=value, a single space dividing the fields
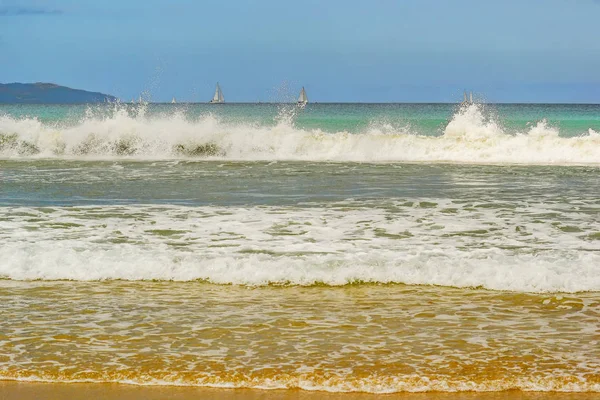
x=426 y=119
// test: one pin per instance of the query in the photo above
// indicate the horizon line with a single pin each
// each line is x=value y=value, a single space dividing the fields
x=311 y=103
x=327 y=102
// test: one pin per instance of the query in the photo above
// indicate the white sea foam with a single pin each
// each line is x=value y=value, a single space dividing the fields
x=469 y=137
x=487 y=247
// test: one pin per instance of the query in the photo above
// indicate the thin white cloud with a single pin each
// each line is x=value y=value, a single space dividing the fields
x=15 y=11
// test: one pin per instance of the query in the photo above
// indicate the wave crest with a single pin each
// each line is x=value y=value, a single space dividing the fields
x=469 y=137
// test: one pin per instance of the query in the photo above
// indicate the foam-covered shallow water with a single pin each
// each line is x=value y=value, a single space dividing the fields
x=368 y=338
x=205 y=250
x=427 y=241
x=525 y=229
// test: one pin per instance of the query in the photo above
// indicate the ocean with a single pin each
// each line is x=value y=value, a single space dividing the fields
x=375 y=248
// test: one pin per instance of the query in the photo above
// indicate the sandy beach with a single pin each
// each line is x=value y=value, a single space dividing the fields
x=49 y=391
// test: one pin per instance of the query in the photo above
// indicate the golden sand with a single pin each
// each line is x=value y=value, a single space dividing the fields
x=87 y=391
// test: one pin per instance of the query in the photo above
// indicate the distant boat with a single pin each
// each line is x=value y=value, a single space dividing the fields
x=173 y=101
x=218 y=97
x=302 y=99
x=468 y=100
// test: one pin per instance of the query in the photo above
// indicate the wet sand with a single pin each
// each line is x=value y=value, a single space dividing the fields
x=10 y=390
x=370 y=338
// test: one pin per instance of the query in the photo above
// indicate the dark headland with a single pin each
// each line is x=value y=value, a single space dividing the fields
x=48 y=93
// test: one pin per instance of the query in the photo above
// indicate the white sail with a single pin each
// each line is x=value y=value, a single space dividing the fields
x=470 y=97
x=302 y=98
x=218 y=97
x=173 y=101
x=465 y=96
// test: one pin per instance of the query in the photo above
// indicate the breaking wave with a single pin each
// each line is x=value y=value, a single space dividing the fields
x=469 y=137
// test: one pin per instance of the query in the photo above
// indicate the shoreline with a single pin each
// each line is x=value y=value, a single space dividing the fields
x=20 y=390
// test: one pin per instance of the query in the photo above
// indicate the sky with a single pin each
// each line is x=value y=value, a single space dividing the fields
x=341 y=51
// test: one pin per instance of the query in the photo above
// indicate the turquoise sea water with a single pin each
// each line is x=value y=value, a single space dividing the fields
x=426 y=119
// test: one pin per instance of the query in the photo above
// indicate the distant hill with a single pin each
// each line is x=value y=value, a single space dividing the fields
x=48 y=93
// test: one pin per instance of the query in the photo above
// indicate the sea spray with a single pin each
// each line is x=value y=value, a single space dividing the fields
x=470 y=136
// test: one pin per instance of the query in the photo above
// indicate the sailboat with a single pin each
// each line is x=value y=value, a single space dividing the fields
x=173 y=101
x=302 y=99
x=469 y=100
x=218 y=97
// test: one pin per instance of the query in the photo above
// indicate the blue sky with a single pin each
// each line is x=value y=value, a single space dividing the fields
x=367 y=51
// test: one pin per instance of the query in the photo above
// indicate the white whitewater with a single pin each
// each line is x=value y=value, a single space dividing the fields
x=316 y=245
x=469 y=137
